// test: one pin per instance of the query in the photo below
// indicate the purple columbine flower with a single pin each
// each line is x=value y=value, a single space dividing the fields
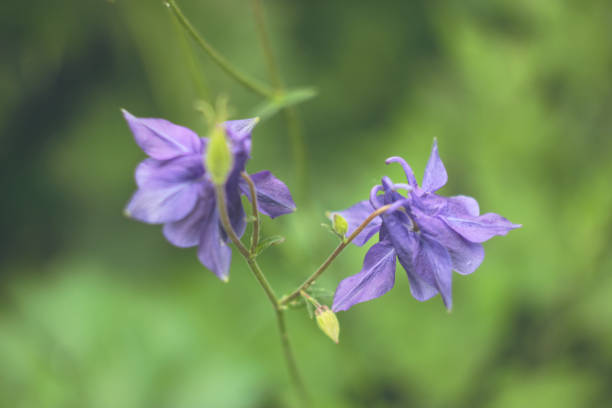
x=429 y=234
x=174 y=190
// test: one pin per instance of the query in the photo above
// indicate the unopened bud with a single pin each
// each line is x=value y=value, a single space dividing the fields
x=328 y=323
x=218 y=156
x=339 y=224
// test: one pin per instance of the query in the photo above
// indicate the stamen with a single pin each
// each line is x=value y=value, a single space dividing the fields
x=373 y=196
x=396 y=205
x=387 y=184
x=402 y=186
x=406 y=167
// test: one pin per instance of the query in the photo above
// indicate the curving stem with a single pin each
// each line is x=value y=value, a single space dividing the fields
x=308 y=282
x=263 y=282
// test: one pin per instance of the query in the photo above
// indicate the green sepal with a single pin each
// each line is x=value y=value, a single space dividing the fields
x=218 y=158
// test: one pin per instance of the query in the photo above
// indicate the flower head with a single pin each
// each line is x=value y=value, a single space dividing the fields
x=175 y=189
x=429 y=234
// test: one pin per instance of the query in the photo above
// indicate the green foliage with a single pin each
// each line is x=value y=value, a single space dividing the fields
x=99 y=311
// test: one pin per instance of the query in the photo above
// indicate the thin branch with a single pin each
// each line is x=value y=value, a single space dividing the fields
x=254 y=205
x=298 y=147
x=308 y=282
x=263 y=282
x=219 y=59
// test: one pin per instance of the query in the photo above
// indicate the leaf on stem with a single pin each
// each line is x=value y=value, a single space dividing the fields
x=284 y=100
x=269 y=242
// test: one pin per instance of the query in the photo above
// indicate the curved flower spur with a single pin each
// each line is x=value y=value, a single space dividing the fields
x=174 y=187
x=429 y=234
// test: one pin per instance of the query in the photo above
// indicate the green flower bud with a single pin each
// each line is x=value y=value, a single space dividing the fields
x=328 y=323
x=339 y=224
x=218 y=159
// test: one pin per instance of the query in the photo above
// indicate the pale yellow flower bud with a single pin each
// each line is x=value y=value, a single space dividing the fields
x=328 y=323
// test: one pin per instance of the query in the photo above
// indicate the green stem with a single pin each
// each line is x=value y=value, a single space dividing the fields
x=298 y=150
x=219 y=59
x=263 y=282
x=290 y=113
x=265 y=43
x=296 y=378
x=254 y=205
x=332 y=256
x=194 y=70
x=309 y=298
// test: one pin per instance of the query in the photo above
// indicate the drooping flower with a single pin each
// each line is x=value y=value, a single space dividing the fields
x=430 y=235
x=175 y=190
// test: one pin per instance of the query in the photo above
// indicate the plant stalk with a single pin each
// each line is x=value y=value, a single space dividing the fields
x=216 y=56
x=308 y=282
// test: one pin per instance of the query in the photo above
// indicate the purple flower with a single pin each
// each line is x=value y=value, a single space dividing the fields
x=429 y=234
x=174 y=189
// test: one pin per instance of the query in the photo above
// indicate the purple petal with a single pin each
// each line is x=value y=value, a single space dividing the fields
x=357 y=214
x=273 y=196
x=461 y=204
x=152 y=173
x=375 y=279
x=235 y=209
x=161 y=139
x=482 y=228
x=161 y=205
x=397 y=228
x=407 y=169
x=435 y=174
x=214 y=252
x=419 y=288
x=168 y=190
x=434 y=265
x=239 y=132
x=186 y=233
x=239 y=129
x=466 y=256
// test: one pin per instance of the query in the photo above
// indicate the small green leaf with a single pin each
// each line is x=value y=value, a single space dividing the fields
x=284 y=100
x=268 y=242
x=321 y=293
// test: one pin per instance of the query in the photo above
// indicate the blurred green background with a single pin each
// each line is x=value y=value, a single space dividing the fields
x=100 y=311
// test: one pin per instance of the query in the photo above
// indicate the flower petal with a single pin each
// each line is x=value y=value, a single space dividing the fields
x=273 y=196
x=461 y=204
x=214 y=252
x=466 y=256
x=357 y=214
x=482 y=228
x=375 y=279
x=398 y=229
x=235 y=210
x=161 y=139
x=152 y=173
x=161 y=205
x=239 y=129
x=435 y=174
x=433 y=263
x=420 y=289
x=187 y=232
